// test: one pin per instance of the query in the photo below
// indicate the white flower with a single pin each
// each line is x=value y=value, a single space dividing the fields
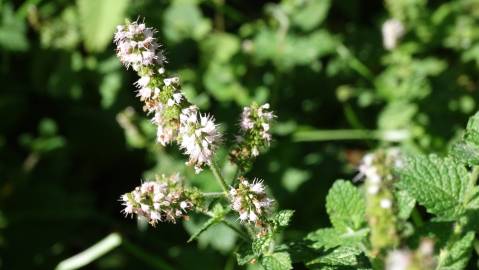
x=373 y=189
x=165 y=132
x=199 y=137
x=170 y=81
x=385 y=203
x=255 y=123
x=250 y=201
x=161 y=200
x=144 y=93
x=398 y=260
x=175 y=99
x=143 y=81
x=392 y=31
x=136 y=46
x=257 y=186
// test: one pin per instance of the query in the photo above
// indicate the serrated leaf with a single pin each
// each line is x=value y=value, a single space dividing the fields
x=283 y=217
x=466 y=152
x=244 y=254
x=457 y=255
x=405 y=204
x=342 y=256
x=329 y=238
x=467 y=149
x=260 y=245
x=98 y=20
x=345 y=206
x=277 y=261
x=439 y=184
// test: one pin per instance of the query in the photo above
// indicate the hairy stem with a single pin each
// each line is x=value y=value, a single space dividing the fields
x=216 y=172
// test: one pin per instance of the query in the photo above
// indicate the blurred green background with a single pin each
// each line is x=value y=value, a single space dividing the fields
x=73 y=136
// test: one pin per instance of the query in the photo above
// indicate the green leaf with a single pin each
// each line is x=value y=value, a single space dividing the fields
x=293 y=178
x=13 y=30
x=219 y=47
x=245 y=255
x=439 y=184
x=329 y=238
x=109 y=88
x=467 y=149
x=309 y=14
x=283 y=217
x=261 y=245
x=342 y=256
x=346 y=206
x=277 y=261
x=456 y=255
x=191 y=25
x=98 y=20
x=405 y=204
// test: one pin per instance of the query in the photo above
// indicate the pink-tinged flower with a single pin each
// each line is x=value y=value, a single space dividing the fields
x=198 y=137
x=250 y=201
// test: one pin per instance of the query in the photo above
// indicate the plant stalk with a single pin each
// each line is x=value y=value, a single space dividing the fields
x=216 y=172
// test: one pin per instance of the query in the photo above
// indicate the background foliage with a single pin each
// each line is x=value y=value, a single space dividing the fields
x=73 y=136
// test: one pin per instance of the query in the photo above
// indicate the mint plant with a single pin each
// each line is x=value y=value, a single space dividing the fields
x=167 y=198
x=376 y=224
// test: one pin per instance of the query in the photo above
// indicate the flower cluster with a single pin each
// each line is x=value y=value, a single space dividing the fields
x=392 y=30
x=255 y=134
x=376 y=168
x=250 y=201
x=199 y=135
x=172 y=114
x=162 y=200
x=137 y=46
x=405 y=259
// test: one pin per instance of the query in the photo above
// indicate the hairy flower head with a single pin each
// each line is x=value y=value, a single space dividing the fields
x=198 y=137
x=250 y=201
x=158 y=201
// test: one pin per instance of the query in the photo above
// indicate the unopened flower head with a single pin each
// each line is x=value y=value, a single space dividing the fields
x=392 y=31
x=137 y=46
x=377 y=168
x=158 y=201
x=255 y=124
x=198 y=137
x=250 y=201
x=167 y=116
x=257 y=119
x=167 y=128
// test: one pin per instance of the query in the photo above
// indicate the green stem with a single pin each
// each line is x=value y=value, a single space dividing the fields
x=237 y=230
x=354 y=63
x=219 y=177
x=107 y=244
x=351 y=134
x=213 y=194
